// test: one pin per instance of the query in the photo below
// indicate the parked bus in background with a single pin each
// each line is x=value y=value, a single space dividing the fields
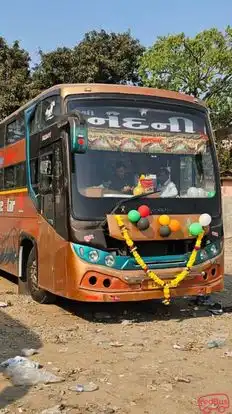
x=110 y=193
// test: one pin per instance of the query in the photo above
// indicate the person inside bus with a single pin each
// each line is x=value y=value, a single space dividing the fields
x=121 y=180
x=166 y=187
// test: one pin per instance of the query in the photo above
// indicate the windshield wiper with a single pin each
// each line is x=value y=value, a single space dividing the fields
x=126 y=200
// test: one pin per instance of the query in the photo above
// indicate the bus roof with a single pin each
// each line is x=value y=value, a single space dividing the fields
x=126 y=89
x=86 y=88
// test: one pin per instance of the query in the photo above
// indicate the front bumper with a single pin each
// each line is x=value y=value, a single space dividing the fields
x=90 y=296
x=128 y=286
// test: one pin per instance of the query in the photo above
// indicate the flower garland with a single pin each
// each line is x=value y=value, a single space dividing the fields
x=152 y=275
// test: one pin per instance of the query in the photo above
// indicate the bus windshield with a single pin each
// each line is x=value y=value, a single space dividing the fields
x=168 y=149
x=116 y=174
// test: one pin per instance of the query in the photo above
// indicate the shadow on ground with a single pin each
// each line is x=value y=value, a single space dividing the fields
x=148 y=311
x=13 y=338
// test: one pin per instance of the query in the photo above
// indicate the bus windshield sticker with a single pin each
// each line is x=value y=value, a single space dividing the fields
x=49 y=113
x=88 y=238
x=167 y=143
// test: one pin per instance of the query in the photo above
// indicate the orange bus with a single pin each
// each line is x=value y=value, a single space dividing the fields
x=110 y=193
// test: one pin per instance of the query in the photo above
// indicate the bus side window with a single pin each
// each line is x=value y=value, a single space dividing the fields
x=2 y=133
x=51 y=109
x=36 y=120
x=1 y=179
x=9 y=177
x=20 y=171
x=15 y=130
x=34 y=174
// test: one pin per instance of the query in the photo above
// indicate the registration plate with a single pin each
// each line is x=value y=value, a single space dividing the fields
x=152 y=285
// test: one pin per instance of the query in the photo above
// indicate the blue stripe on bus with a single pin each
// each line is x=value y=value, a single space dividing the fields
x=27 y=116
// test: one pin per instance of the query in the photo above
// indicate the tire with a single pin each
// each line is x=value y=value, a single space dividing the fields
x=37 y=294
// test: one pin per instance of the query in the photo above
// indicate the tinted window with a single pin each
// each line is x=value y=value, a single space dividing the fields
x=34 y=173
x=9 y=177
x=15 y=176
x=20 y=175
x=2 y=129
x=36 y=120
x=50 y=110
x=15 y=131
x=1 y=179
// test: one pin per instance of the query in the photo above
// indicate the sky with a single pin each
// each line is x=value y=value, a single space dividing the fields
x=48 y=24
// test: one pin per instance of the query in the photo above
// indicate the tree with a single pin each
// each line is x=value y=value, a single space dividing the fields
x=220 y=104
x=99 y=57
x=107 y=58
x=14 y=77
x=55 y=67
x=224 y=149
x=199 y=66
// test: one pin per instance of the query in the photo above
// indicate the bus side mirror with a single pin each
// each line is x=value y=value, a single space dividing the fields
x=78 y=131
x=79 y=137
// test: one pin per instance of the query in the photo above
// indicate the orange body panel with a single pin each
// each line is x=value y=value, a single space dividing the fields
x=17 y=214
x=125 y=288
x=70 y=276
x=52 y=257
x=14 y=153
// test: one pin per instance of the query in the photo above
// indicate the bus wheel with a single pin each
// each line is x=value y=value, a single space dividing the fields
x=39 y=295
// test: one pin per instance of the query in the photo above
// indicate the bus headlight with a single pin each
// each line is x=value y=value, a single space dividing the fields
x=81 y=251
x=213 y=250
x=93 y=256
x=203 y=255
x=110 y=260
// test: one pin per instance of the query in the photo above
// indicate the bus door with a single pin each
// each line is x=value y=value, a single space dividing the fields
x=53 y=227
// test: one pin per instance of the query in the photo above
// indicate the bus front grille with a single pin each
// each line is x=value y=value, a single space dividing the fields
x=154 y=247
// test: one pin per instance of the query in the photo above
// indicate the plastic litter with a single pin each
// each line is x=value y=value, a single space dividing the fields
x=176 y=346
x=11 y=363
x=90 y=387
x=28 y=352
x=182 y=379
x=216 y=343
x=216 y=311
x=126 y=322
x=206 y=301
x=3 y=305
x=57 y=409
x=228 y=354
x=116 y=344
x=215 y=308
x=23 y=371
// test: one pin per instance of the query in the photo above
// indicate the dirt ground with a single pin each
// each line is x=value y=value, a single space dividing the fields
x=144 y=357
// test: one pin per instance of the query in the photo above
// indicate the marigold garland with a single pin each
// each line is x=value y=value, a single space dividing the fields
x=152 y=275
